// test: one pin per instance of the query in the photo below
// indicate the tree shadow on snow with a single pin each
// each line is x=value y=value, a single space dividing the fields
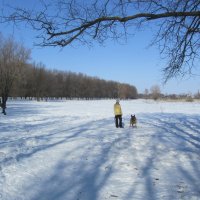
x=176 y=136
x=89 y=164
x=84 y=170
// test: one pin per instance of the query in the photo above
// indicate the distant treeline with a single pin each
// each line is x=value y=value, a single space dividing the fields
x=19 y=78
x=37 y=82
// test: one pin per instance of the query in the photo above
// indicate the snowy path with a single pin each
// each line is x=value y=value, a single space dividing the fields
x=56 y=151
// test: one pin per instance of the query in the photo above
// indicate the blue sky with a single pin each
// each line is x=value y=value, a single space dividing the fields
x=132 y=62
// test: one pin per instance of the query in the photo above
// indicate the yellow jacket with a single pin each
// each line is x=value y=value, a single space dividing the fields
x=117 y=109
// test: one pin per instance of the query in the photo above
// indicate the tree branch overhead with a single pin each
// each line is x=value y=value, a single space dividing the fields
x=65 y=22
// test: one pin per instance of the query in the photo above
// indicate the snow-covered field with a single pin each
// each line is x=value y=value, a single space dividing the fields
x=71 y=150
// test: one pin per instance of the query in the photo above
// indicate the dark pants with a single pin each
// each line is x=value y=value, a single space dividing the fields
x=118 y=121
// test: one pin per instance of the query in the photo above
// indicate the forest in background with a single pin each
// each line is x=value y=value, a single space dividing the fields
x=37 y=81
x=20 y=78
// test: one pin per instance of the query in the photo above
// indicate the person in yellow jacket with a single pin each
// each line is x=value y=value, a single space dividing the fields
x=118 y=114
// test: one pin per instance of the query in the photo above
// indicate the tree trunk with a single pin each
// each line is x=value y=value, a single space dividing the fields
x=3 y=104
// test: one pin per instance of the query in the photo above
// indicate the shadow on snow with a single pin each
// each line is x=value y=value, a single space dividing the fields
x=89 y=168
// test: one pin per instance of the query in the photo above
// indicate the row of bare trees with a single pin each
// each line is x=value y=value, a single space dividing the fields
x=41 y=83
x=18 y=78
x=155 y=93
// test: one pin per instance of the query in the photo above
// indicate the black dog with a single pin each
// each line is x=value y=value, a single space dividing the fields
x=133 y=121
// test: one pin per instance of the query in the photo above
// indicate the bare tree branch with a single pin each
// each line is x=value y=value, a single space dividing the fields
x=65 y=22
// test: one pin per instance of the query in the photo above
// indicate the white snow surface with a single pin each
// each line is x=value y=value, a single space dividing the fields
x=71 y=150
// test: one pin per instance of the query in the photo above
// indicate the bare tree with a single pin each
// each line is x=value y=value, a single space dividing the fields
x=126 y=91
x=146 y=93
x=40 y=81
x=155 y=92
x=12 y=58
x=197 y=95
x=65 y=22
